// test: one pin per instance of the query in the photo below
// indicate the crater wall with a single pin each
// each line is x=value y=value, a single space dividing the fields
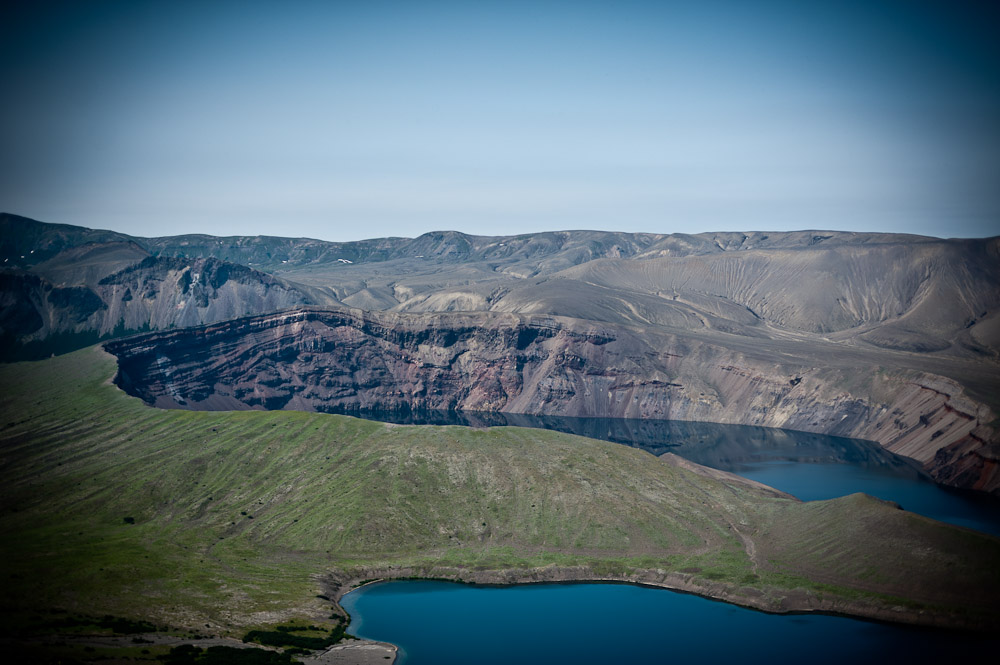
x=343 y=359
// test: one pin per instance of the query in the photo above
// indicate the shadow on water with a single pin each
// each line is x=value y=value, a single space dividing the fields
x=729 y=447
x=809 y=466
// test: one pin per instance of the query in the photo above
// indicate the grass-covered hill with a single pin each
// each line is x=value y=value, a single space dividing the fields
x=242 y=519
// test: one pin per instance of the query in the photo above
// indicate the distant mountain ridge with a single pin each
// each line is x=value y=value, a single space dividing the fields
x=899 y=292
x=25 y=242
x=893 y=338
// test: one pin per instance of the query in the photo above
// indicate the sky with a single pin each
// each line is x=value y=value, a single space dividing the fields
x=350 y=120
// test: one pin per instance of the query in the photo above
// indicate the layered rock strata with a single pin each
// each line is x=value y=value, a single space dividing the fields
x=341 y=359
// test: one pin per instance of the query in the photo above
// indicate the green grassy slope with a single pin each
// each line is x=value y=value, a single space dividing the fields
x=235 y=518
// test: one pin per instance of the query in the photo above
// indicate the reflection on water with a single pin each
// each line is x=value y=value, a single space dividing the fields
x=731 y=447
x=809 y=466
x=444 y=623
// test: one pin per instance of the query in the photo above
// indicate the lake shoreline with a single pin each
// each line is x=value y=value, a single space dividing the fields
x=359 y=651
x=799 y=601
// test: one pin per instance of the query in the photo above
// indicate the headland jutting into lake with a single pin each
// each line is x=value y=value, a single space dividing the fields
x=242 y=520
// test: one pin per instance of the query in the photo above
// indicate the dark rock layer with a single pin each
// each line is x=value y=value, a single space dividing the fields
x=340 y=359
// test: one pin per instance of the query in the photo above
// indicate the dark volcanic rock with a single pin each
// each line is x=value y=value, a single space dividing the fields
x=887 y=337
x=340 y=360
x=18 y=312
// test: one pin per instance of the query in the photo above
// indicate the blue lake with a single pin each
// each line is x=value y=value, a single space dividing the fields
x=441 y=623
x=808 y=466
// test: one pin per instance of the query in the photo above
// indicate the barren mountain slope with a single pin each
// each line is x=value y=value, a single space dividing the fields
x=100 y=290
x=929 y=293
x=896 y=292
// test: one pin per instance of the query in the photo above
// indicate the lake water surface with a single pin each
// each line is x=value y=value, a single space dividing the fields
x=442 y=622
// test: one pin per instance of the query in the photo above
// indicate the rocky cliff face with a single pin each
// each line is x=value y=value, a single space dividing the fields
x=112 y=288
x=885 y=337
x=340 y=359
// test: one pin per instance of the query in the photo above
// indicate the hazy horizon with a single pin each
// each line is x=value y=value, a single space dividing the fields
x=500 y=234
x=349 y=120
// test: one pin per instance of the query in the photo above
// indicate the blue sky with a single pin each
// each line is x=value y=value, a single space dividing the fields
x=364 y=119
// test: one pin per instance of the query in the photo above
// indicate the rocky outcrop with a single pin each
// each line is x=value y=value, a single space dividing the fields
x=68 y=303
x=168 y=292
x=342 y=359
